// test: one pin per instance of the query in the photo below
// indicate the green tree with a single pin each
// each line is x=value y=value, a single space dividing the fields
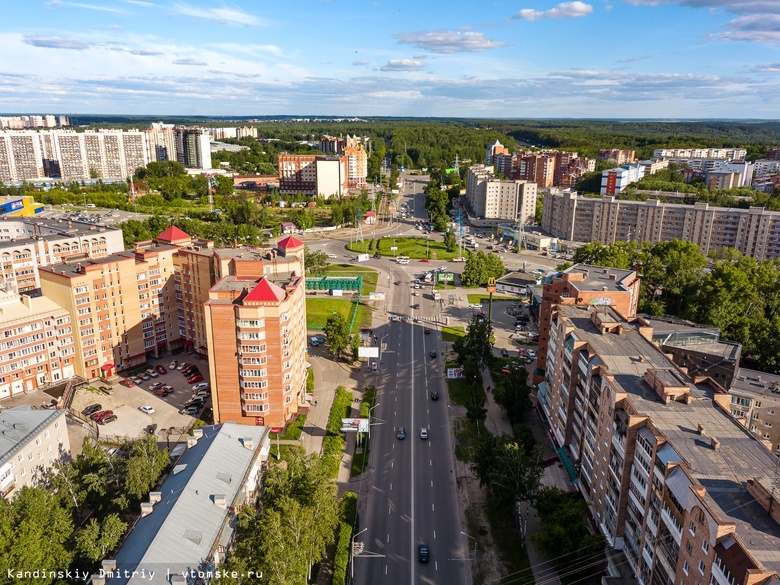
x=158 y=170
x=143 y=467
x=475 y=406
x=475 y=346
x=512 y=393
x=337 y=331
x=672 y=273
x=450 y=241
x=480 y=267
x=95 y=540
x=316 y=262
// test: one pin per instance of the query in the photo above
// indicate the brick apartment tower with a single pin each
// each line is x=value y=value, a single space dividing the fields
x=256 y=330
x=583 y=284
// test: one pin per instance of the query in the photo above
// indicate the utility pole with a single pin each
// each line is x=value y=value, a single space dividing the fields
x=352 y=555
x=474 y=559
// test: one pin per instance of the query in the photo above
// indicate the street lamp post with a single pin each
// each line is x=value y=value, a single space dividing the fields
x=352 y=555
x=474 y=560
x=369 y=419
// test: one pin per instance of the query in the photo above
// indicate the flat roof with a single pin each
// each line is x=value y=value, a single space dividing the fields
x=518 y=279
x=14 y=310
x=71 y=269
x=52 y=228
x=243 y=252
x=724 y=471
x=599 y=278
x=19 y=425
x=756 y=382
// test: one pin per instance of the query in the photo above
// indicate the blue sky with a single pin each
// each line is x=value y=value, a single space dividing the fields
x=475 y=58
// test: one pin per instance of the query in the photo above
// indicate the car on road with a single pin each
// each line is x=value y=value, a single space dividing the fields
x=195 y=378
x=401 y=434
x=435 y=395
x=398 y=283
x=200 y=386
x=127 y=383
x=530 y=353
x=146 y=408
x=433 y=354
x=427 y=332
x=424 y=434
x=106 y=389
x=161 y=369
x=173 y=365
x=423 y=553
x=394 y=318
x=416 y=293
x=415 y=306
x=102 y=414
x=424 y=260
x=504 y=352
x=91 y=409
x=332 y=256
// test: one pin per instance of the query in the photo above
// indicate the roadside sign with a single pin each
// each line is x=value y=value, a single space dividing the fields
x=491 y=285
x=393 y=248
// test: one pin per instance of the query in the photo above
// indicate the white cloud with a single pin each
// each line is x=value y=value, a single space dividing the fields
x=189 y=61
x=55 y=43
x=100 y=8
x=767 y=68
x=574 y=9
x=402 y=65
x=360 y=63
x=449 y=41
x=225 y=15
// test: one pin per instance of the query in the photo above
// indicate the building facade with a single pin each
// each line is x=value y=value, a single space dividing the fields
x=613 y=181
x=30 y=442
x=37 y=346
x=754 y=231
x=686 y=493
x=193 y=147
x=314 y=175
x=622 y=157
x=492 y=198
x=256 y=329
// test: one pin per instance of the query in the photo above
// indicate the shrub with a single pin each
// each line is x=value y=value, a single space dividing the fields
x=349 y=522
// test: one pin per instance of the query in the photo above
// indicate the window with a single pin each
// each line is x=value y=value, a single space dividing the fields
x=692 y=530
x=705 y=546
x=686 y=568
x=701 y=567
x=689 y=547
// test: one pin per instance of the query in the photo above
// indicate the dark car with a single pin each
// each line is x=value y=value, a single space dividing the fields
x=427 y=332
x=504 y=353
x=195 y=378
x=107 y=419
x=190 y=370
x=423 y=553
x=401 y=434
x=106 y=389
x=161 y=370
x=127 y=383
x=91 y=409
x=435 y=395
x=433 y=354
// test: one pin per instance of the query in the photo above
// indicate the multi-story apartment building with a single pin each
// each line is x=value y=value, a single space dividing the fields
x=754 y=231
x=193 y=147
x=256 y=329
x=323 y=176
x=22 y=122
x=583 y=284
x=493 y=151
x=332 y=144
x=27 y=244
x=722 y=153
x=36 y=343
x=621 y=157
x=670 y=478
x=492 y=198
x=772 y=153
x=613 y=181
x=160 y=142
x=755 y=403
x=357 y=162
x=537 y=168
x=30 y=442
x=233 y=132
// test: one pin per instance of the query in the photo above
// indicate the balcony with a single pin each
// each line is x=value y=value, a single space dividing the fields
x=721 y=574
x=674 y=528
x=619 y=442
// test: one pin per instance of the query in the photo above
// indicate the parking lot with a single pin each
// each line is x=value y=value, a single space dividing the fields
x=125 y=402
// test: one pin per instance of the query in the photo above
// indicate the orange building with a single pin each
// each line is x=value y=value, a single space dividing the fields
x=583 y=284
x=256 y=336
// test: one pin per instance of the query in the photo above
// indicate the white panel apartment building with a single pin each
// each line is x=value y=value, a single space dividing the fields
x=492 y=198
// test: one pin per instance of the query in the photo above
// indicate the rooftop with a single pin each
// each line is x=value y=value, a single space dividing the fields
x=43 y=228
x=724 y=472
x=756 y=382
x=18 y=426
x=242 y=252
x=598 y=278
x=519 y=279
x=173 y=234
x=72 y=269
x=15 y=309
x=184 y=525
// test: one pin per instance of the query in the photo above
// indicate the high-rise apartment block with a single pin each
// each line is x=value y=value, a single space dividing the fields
x=315 y=175
x=670 y=478
x=256 y=328
x=233 y=132
x=492 y=198
x=22 y=122
x=32 y=441
x=621 y=157
x=27 y=244
x=754 y=231
x=37 y=343
x=722 y=153
x=614 y=181
x=193 y=147
x=493 y=151
x=357 y=162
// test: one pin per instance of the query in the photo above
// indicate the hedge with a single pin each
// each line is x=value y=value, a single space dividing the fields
x=349 y=522
x=333 y=444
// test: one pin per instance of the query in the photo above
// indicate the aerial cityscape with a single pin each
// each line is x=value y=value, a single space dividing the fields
x=390 y=293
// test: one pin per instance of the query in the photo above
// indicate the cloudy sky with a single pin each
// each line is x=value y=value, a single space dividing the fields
x=470 y=58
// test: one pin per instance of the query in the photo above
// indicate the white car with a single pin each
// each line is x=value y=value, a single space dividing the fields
x=200 y=386
x=332 y=256
x=147 y=409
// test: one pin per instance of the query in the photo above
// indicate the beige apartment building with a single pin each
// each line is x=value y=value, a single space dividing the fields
x=492 y=198
x=671 y=479
x=36 y=343
x=30 y=442
x=256 y=328
x=754 y=231
x=357 y=162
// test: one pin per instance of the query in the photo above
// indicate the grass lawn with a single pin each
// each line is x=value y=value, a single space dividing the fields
x=483 y=297
x=505 y=537
x=412 y=247
x=320 y=309
x=451 y=333
x=294 y=430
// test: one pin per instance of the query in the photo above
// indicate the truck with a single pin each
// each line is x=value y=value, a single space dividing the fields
x=362 y=257
x=436 y=295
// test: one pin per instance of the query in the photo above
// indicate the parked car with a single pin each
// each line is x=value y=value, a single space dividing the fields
x=183 y=365
x=91 y=409
x=153 y=374
x=49 y=405
x=146 y=408
x=531 y=354
x=189 y=410
x=156 y=386
x=173 y=365
x=145 y=377
x=108 y=419
x=401 y=434
x=161 y=370
x=200 y=386
x=332 y=256
x=127 y=383
x=102 y=414
x=194 y=379
x=202 y=395
x=106 y=389
x=504 y=352
x=151 y=429
x=189 y=369
x=167 y=389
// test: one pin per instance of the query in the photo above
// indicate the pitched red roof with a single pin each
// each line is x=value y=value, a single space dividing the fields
x=173 y=234
x=265 y=290
x=290 y=242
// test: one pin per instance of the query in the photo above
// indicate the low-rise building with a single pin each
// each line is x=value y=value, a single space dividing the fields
x=190 y=524
x=614 y=181
x=30 y=442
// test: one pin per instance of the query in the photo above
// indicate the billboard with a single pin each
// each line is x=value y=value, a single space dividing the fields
x=454 y=373
x=376 y=296
x=445 y=276
x=354 y=425
x=368 y=352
